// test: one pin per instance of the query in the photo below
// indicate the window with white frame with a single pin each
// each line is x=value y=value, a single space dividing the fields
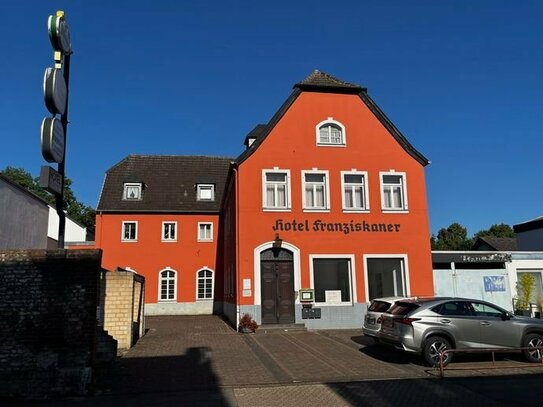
x=393 y=191
x=355 y=191
x=315 y=194
x=386 y=277
x=276 y=191
x=129 y=232
x=332 y=280
x=205 y=231
x=206 y=192
x=169 y=231
x=330 y=132
x=132 y=191
x=167 y=284
x=205 y=284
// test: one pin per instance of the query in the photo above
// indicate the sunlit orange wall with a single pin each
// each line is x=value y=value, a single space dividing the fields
x=369 y=147
x=149 y=255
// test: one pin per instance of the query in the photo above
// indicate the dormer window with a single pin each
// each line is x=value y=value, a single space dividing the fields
x=132 y=191
x=206 y=192
x=330 y=133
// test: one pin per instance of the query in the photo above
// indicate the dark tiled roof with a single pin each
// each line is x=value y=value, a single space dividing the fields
x=533 y=224
x=323 y=82
x=319 y=81
x=500 y=244
x=169 y=183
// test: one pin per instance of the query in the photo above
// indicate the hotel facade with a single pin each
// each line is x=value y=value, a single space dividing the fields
x=324 y=210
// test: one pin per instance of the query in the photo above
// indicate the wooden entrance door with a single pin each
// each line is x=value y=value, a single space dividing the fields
x=277 y=285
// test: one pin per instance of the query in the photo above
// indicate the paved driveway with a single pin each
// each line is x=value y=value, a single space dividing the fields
x=200 y=361
x=203 y=352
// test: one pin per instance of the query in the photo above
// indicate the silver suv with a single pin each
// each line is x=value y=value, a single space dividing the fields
x=430 y=326
x=372 y=320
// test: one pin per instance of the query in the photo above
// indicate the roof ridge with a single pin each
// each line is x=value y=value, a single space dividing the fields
x=319 y=80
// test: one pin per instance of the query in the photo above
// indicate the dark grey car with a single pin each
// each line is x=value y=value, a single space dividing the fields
x=431 y=325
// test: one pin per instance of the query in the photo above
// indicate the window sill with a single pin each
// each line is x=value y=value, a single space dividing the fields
x=310 y=210
x=346 y=210
x=169 y=241
x=167 y=301
x=129 y=241
x=276 y=209
x=205 y=241
x=394 y=211
x=330 y=145
x=204 y=299
x=336 y=304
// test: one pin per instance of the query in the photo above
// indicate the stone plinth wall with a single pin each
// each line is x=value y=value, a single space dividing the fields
x=48 y=303
x=122 y=306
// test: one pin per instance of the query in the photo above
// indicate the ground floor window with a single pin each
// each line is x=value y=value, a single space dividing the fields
x=386 y=277
x=205 y=284
x=167 y=285
x=332 y=280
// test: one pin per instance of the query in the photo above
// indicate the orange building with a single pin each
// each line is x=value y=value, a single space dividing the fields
x=324 y=210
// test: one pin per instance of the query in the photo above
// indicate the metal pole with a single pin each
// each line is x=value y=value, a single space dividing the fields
x=61 y=165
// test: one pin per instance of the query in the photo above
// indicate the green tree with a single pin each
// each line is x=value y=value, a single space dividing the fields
x=79 y=212
x=455 y=237
x=497 y=230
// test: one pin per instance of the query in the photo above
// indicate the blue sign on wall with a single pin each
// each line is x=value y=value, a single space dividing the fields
x=494 y=283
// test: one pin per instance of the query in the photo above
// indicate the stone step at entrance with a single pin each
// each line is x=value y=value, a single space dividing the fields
x=280 y=328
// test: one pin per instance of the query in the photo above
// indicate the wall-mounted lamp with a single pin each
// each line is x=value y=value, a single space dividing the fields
x=278 y=242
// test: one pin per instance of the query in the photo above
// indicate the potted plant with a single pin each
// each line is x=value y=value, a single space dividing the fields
x=525 y=289
x=247 y=324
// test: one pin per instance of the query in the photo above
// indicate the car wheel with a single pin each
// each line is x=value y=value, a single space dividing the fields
x=532 y=341
x=432 y=349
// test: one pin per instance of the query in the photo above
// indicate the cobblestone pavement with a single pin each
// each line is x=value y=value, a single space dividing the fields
x=202 y=361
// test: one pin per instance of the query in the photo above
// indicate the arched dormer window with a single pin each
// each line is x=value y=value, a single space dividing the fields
x=167 y=285
x=330 y=133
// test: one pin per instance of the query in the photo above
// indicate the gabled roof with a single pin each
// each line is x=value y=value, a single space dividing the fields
x=499 y=244
x=255 y=133
x=169 y=183
x=533 y=224
x=322 y=82
x=23 y=189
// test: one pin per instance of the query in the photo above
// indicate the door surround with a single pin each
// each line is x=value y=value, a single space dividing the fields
x=257 y=272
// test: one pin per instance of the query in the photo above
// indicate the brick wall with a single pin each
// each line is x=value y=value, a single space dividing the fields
x=122 y=306
x=48 y=302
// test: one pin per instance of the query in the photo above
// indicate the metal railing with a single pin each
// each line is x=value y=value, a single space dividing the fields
x=442 y=356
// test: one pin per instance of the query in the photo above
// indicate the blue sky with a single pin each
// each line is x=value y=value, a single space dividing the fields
x=462 y=80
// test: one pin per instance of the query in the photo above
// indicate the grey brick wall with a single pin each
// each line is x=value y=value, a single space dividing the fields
x=48 y=301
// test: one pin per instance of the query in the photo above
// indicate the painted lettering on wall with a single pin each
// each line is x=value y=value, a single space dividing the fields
x=345 y=227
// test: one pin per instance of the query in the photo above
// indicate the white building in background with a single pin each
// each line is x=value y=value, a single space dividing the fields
x=489 y=276
x=73 y=233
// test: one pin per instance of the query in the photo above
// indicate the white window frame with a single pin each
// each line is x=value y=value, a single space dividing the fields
x=160 y=278
x=128 y=185
x=405 y=271
x=366 y=207
x=126 y=222
x=326 y=207
x=287 y=206
x=205 y=187
x=330 y=121
x=205 y=278
x=204 y=239
x=352 y=277
x=405 y=207
x=170 y=239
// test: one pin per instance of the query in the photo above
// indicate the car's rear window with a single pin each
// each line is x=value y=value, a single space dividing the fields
x=402 y=308
x=379 y=306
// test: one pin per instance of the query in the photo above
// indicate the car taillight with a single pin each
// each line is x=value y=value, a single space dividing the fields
x=406 y=321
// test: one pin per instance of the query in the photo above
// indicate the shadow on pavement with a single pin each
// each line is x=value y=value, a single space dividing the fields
x=178 y=380
x=496 y=391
